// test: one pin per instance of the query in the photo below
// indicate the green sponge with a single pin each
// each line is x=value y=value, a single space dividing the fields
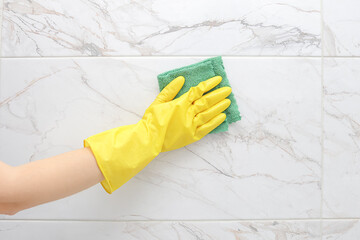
x=201 y=71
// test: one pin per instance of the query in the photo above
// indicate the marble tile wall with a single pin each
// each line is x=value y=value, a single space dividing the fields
x=340 y=27
x=290 y=169
x=341 y=137
x=117 y=28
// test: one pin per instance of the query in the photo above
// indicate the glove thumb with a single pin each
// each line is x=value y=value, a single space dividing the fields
x=170 y=91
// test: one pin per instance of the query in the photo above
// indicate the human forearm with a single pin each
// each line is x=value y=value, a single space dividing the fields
x=51 y=179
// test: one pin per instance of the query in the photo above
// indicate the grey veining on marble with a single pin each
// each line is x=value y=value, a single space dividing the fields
x=341 y=137
x=269 y=230
x=341 y=229
x=51 y=105
x=341 y=28
x=206 y=27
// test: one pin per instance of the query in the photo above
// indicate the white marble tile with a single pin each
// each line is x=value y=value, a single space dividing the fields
x=341 y=27
x=206 y=27
x=62 y=230
x=1 y=13
x=341 y=137
x=266 y=166
x=341 y=229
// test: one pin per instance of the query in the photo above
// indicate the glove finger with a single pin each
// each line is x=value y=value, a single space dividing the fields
x=170 y=91
x=212 y=112
x=196 y=92
x=210 y=99
x=209 y=126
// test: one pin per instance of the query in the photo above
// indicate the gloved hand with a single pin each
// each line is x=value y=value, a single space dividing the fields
x=167 y=124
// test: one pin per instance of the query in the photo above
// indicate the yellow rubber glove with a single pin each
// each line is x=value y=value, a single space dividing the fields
x=167 y=124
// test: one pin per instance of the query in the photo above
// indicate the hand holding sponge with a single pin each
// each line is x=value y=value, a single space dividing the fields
x=167 y=124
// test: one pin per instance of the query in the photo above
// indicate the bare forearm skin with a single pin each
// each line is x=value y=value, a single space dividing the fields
x=47 y=180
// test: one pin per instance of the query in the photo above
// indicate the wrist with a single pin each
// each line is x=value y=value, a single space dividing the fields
x=122 y=152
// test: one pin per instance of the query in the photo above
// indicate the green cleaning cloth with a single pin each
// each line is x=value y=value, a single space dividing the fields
x=201 y=71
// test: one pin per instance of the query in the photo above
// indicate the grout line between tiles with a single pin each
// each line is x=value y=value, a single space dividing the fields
x=175 y=56
x=166 y=56
x=322 y=117
x=184 y=220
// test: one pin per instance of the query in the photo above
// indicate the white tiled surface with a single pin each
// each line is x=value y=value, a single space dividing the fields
x=290 y=169
x=342 y=137
x=341 y=27
x=160 y=27
x=254 y=230
x=234 y=175
x=341 y=230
